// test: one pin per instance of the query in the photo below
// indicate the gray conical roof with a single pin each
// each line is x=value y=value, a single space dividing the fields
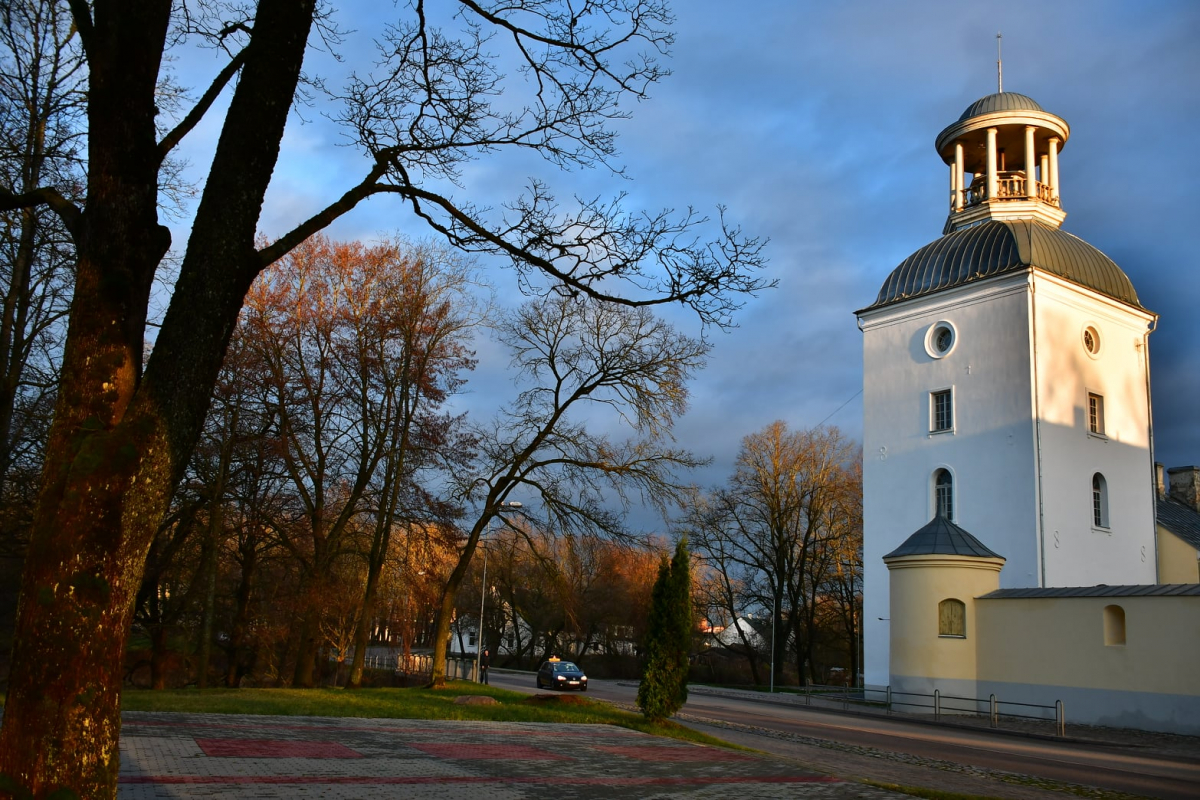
x=940 y=536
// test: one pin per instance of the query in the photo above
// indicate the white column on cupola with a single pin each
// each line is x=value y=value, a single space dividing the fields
x=1030 y=158
x=959 y=177
x=1054 y=168
x=992 y=184
x=953 y=187
x=1044 y=174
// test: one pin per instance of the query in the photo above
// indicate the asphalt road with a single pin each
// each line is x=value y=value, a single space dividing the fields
x=1128 y=769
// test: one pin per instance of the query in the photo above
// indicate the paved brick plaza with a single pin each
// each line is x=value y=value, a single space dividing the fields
x=219 y=755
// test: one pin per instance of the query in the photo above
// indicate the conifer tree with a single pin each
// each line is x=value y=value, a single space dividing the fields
x=663 y=690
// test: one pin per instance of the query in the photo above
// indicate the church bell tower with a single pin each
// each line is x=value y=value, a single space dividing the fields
x=1006 y=379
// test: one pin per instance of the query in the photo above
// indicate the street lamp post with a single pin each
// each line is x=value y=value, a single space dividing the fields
x=774 y=623
x=483 y=592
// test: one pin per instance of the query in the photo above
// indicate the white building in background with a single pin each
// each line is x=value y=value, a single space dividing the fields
x=1006 y=380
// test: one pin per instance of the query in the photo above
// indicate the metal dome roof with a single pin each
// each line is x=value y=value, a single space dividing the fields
x=940 y=536
x=1001 y=101
x=1001 y=247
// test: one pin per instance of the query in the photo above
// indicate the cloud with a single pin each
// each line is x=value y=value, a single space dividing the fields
x=814 y=123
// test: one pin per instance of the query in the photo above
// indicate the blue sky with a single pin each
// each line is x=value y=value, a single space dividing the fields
x=814 y=123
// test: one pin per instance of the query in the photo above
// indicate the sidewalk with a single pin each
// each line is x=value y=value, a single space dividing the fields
x=217 y=755
x=1174 y=744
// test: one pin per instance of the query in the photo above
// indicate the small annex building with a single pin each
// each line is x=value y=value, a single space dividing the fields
x=1006 y=392
x=1178 y=518
x=1112 y=655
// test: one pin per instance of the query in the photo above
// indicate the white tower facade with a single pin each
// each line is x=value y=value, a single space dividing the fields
x=1006 y=380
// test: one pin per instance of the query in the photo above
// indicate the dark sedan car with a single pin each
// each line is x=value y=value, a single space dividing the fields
x=561 y=675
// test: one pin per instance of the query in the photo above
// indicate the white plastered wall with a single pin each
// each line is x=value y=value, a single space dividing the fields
x=1077 y=552
x=990 y=451
x=1020 y=451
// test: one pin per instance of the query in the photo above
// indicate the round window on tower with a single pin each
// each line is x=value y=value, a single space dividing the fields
x=1091 y=340
x=940 y=339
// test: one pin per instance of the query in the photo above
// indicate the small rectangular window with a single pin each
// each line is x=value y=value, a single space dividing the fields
x=941 y=411
x=1095 y=414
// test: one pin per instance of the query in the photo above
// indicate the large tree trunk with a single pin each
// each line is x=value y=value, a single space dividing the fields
x=380 y=543
x=158 y=656
x=208 y=578
x=213 y=534
x=441 y=626
x=241 y=617
x=362 y=631
x=306 y=657
x=796 y=630
x=314 y=590
x=119 y=442
x=107 y=472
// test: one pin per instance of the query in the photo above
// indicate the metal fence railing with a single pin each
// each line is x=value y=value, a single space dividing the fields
x=419 y=665
x=994 y=711
x=991 y=707
x=377 y=662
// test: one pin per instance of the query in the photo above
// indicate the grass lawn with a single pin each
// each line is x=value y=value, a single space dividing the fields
x=413 y=703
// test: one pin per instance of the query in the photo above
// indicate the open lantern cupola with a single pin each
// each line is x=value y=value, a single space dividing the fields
x=1003 y=159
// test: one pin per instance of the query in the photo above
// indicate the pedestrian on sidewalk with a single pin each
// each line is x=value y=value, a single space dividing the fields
x=484 y=663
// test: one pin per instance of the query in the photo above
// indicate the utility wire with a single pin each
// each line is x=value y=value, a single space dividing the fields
x=839 y=408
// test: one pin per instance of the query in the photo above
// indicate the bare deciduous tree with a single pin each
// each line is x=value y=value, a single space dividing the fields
x=776 y=532
x=124 y=428
x=41 y=110
x=419 y=319
x=575 y=595
x=236 y=468
x=361 y=345
x=576 y=356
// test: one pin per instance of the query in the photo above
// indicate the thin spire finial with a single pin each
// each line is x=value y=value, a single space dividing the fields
x=999 y=65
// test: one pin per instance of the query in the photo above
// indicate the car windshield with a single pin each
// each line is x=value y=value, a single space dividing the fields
x=565 y=666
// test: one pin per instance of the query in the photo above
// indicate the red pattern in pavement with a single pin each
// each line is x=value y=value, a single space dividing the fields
x=362 y=780
x=657 y=753
x=471 y=731
x=497 y=752
x=271 y=748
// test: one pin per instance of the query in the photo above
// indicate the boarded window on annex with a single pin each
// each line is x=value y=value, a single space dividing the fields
x=952 y=619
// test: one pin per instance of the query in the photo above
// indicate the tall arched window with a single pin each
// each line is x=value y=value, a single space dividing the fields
x=1099 y=501
x=943 y=493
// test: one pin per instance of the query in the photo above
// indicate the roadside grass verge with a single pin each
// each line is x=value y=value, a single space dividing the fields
x=928 y=794
x=411 y=703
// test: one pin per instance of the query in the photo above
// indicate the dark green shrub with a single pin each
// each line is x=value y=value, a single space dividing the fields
x=663 y=690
